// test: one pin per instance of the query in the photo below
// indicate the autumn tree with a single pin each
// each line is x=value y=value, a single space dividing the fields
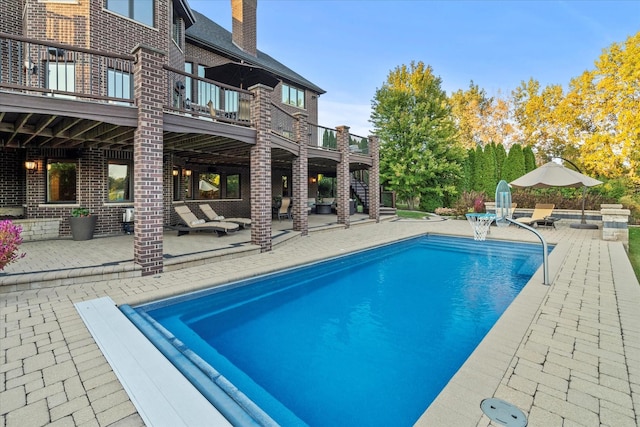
x=481 y=119
x=606 y=102
x=419 y=157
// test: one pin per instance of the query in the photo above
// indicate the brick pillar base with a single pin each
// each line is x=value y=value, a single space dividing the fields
x=300 y=170
x=343 y=178
x=374 y=178
x=147 y=159
x=261 y=168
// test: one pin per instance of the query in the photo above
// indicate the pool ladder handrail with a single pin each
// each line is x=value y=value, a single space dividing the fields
x=545 y=256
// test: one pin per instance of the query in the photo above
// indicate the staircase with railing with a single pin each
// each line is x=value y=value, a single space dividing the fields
x=360 y=188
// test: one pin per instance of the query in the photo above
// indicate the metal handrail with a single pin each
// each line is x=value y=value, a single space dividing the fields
x=545 y=256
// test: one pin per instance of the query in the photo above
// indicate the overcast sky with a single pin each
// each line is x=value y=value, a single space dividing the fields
x=348 y=47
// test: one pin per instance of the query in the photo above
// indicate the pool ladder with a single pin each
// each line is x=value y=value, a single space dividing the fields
x=545 y=254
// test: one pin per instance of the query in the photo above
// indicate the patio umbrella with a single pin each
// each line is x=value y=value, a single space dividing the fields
x=553 y=174
x=241 y=75
x=205 y=186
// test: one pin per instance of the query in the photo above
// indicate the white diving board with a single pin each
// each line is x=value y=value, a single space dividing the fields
x=160 y=393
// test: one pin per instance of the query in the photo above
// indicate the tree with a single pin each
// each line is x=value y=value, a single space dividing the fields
x=480 y=119
x=501 y=155
x=605 y=102
x=514 y=166
x=419 y=157
x=529 y=159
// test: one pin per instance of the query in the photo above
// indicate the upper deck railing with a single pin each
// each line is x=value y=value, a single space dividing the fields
x=54 y=69
x=203 y=97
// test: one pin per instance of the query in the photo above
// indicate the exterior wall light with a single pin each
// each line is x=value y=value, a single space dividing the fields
x=31 y=166
x=175 y=172
x=187 y=172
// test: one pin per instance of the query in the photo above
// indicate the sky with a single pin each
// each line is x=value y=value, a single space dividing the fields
x=349 y=47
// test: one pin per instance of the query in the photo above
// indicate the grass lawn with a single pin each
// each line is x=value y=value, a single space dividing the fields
x=410 y=214
x=634 y=249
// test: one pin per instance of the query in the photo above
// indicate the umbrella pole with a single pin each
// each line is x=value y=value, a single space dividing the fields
x=583 y=222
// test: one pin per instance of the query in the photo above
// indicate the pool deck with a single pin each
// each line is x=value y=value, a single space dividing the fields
x=567 y=354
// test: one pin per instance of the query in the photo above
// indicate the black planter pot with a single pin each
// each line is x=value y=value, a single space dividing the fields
x=82 y=227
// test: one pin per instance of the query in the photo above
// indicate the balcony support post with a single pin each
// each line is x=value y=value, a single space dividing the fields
x=261 y=168
x=147 y=160
x=374 y=178
x=344 y=179
x=300 y=173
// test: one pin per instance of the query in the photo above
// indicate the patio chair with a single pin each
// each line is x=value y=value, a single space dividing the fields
x=541 y=215
x=283 y=211
x=211 y=214
x=190 y=222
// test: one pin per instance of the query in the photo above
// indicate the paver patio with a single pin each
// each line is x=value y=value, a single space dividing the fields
x=566 y=354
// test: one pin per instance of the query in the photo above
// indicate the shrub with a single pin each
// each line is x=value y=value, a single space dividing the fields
x=633 y=204
x=9 y=241
x=470 y=201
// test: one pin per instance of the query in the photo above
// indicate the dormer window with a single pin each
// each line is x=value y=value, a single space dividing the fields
x=138 y=10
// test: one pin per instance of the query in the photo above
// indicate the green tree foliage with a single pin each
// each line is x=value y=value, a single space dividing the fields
x=514 y=165
x=419 y=156
x=529 y=159
x=501 y=156
x=490 y=175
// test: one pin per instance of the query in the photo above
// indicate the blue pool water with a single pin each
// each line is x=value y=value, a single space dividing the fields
x=364 y=339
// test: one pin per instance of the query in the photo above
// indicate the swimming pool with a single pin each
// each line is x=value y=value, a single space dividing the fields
x=367 y=339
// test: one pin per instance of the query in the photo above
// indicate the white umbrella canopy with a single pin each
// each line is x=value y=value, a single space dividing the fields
x=553 y=174
x=206 y=186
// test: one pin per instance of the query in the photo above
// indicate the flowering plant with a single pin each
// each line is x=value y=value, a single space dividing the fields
x=77 y=212
x=9 y=241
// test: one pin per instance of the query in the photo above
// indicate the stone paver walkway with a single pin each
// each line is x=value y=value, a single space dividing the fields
x=566 y=354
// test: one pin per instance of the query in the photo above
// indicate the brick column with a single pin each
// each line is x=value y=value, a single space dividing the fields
x=300 y=171
x=261 y=168
x=374 y=178
x=344 y=182
x=147 y=159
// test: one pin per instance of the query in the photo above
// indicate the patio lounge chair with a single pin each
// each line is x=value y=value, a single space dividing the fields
x=283 y=211
x=541 y=215
x=192 y=223
x=208 y=211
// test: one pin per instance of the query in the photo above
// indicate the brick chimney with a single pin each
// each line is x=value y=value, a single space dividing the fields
x=244 y=28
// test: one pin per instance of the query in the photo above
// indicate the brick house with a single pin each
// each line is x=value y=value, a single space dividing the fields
x=112 y=105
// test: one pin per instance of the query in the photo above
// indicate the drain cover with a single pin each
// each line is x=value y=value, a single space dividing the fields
x=503 y=412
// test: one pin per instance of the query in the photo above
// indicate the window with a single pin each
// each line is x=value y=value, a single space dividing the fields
x=207 y=91
x=138 y=10
x=233 y=186
x=61 y=76
x=176 y=30
x=119 y=182
x=188 y=82
x=209 y=186
x=119 y=84
x=61 y=181
x=292 y=96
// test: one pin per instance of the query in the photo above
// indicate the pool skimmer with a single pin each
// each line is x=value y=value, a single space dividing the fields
x=503 y=412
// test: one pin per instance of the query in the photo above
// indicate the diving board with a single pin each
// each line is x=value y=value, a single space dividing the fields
x=160 y=393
